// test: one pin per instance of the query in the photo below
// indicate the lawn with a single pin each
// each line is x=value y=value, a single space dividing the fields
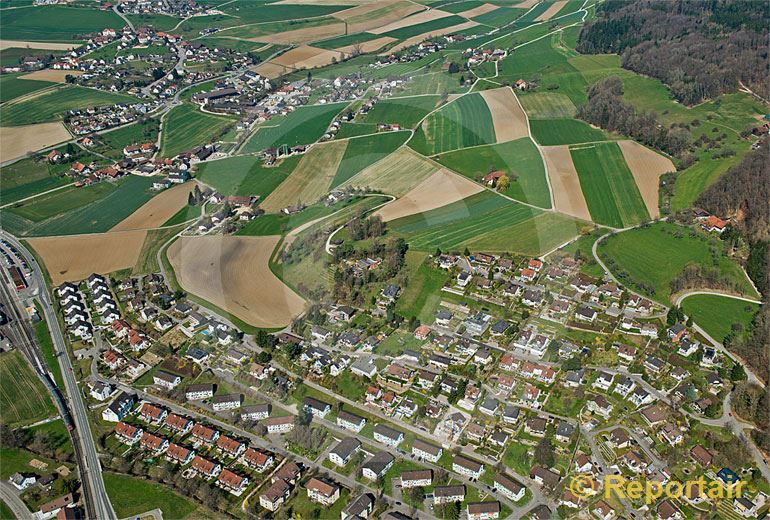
x=486 y=221
x=422 y=295
x=406 y=111
x=246 y=175
x=86 y=212
x=520 y=160
x=12 y=87
x=28 y=177
x=717 y=314
x=610 y=190
x=550 y=132
x=186 y=127
x=23 y=397
x=53 y=105
x=652 y=256
x=459 y=124
x=303 y=126
x=131 y=496
x=56 y=23
x=364 y=151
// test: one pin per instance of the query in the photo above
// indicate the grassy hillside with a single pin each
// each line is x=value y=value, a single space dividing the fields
x=303 y=126
x=186 y=127
x=53 y=105
x=246 y=175
x=720 y=316
x=364 y=151
x=462 y=123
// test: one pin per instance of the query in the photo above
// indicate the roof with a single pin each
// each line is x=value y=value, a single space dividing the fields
x=350 y=417
x=387 y=431
x=476 y=508
x=449 y=491
x=379 y=462
x=426 y=447
x=346 y=447
x=467 y=463
x=319 y=486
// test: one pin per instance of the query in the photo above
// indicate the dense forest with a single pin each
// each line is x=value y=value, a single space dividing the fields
x=699 y=48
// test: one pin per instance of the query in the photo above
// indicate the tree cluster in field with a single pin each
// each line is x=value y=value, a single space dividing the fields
x=195 y=197
x=745 y=191
x=698 y=49
x=607 y=109
x=349 y=285
x=42 y=443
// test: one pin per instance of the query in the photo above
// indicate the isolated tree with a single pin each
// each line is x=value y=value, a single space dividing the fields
x=503 y=183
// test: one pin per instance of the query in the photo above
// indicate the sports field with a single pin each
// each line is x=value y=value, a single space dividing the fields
x=23 y=397
x=246 y=175
x=519 y=160
x=718 y=315
x=186 y=127
x=406 y=111
x=464 y=122
x=652 y=256
x=52 y=105
x=608 y=185
x=364 y=151
x=302 y=126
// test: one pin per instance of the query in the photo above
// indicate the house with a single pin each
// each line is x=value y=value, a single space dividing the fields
x=166 y=379
x=205 y=467
x=178 y=454
x=153 y=443
x=510 y=414
x=585 y=313
x=583 y=463
x=387 y=435
x=448 y=494
x=255 y=412
x=257 y=460
x=344 y=451
x=360 y=508
x=603 y=381
x=489 y=406
x=101 y=391
x=178 y=424
x=151 y=413
x=603 y=511
x=564 y=431
x=600 y=405
x=465 y=466
x=672 y=434
x=427 y=379
x=620 y=438
x=377 y=465
x=56 y=507
x=483 y=510
x=317 y=407
x=536 y=426
x=422 y=332
x=204 y=434
x=364 y=368
x=624 y=386
x=676 y=332
x=272 y=498
x=426 y=451
x=463 y=279
x=745 y=507
x=279 y=424
x=509 y=487
x=655 y=414
x=712 y=224
x=230 y=446
x=416 y=478
x=322 y=492
x=544 y=476
x=226 y=402
x=119 y=407
x=350 y=421
x=640 y=396
x=232 y=482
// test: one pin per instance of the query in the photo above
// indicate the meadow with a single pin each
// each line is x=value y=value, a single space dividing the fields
x=89 y=211
x=406 y=111
x=131 y=496
x=348 y=39
x=145 y=131
x=425 y=27
x=608 y=185
x=717 y=315
x=486 y=221
x=462 y=123
x=422 y=296
x=11 y=87
x=302 y=126
x=23 y=397
x=246 y=175
x=27 y=177
x=520 y=161
x=656 y=254
x=547 y=105
x=355 y=130
x=551 y=132
x=499 y=17
x=365 y=151
x=153 y=241
x=395 y=174
x=55 y=23
x=186 y=127
x=51 y=106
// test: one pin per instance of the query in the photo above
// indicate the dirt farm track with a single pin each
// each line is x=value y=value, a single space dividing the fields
x=232 y=272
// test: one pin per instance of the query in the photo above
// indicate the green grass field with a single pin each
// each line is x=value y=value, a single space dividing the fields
x=348 y=39
x=89 y=211
x=464 y=122
x=487 y=222
x=148 y=256
x=142 y=132
x=608 y=185
x=421 y=297
x=500 y=17
x=363 y=151
x=303 y=126
x=717 y=314
x=56 y=23
x=43 y=336
x=653 y=256
x=355 y=130
x=519 y=159
x=246 y=175
x=407 y=111
x=53 y=105
x=11 y=87
x=23 y=398
x=413 y=30
x=186 y=127
x=547 y=105
x=550 y=132
x=131 y=496
x=28 y=177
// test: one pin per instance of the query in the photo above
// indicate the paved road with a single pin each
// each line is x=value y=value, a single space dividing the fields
x=10 y=496
x=97 y=501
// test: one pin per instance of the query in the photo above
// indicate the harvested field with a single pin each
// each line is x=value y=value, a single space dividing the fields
x=271 y=70
x=551 y=11
x=508 y=118
x=14 y=44
x=74 y=257
x=372 y=16
x=18 y=140
x=158 y=209
x=422 y=17
x=526 y=4
x=370 y=46
x=567 y=195
x=647 y=167
x=478 y=11
x=396 y=174
x=440 y=189
x=305 y=57
x=414 y=40
x=310 y=179
x=232 y=273
x=56 y=76
x=300 y=36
